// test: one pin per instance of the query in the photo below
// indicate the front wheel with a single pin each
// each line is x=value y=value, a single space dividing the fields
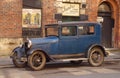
x=17 y=62
x=96 y=57
x=37 y=60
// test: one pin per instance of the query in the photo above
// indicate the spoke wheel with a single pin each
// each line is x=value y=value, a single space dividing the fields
x=17 y=62
x=96 y=57
x=37 y=60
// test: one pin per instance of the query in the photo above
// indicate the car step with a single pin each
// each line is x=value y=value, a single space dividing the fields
x=72 y=59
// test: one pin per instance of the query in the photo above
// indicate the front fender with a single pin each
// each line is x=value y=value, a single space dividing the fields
x=29 y=52
x=18 y=50
x=15 y=50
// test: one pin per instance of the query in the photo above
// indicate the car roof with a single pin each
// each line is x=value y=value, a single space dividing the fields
x=70 y=23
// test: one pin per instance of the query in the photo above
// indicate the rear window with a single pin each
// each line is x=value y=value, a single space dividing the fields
x=86 y=30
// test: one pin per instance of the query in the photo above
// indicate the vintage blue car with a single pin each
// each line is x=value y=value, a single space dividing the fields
x=65 y=41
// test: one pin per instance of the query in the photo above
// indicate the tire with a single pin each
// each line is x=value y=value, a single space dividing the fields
x=76 y=62
x=17 y=62
x=37 y=60
x=96 y=57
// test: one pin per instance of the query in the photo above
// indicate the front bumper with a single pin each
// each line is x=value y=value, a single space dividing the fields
x=19 y=53
x=23 y=59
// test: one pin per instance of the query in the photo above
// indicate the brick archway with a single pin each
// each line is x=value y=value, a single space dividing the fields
x=105 y=12
x=115 y=15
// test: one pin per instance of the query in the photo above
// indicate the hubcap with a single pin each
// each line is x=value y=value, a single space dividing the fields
x=96 y=57
x=37 y=60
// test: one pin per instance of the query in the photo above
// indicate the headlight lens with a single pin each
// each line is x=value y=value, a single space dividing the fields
x=29 y=43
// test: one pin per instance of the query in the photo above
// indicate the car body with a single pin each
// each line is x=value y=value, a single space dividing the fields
x=71 y=41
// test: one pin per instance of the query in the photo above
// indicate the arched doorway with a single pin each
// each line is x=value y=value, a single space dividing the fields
x=105 y=12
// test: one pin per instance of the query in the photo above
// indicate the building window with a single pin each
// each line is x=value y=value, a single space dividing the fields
x=104 y=7
x=31 y=18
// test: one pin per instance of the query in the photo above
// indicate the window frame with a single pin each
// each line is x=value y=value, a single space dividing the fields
x=87 y=33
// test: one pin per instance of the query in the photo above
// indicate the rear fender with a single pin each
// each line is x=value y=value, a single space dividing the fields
x=96 y=46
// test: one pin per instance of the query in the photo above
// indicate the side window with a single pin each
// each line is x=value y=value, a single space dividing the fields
x=51 y=31
x=69 y=31
x=91 y=30
x=86 y=30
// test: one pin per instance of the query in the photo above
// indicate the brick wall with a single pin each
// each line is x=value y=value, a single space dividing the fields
x=48 y=11
x=10 y=25
x=92 y=10
x=10 y=18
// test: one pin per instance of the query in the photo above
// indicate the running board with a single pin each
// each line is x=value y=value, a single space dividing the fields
x=71 y=59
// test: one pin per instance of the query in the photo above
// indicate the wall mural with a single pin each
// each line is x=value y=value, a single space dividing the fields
x=31 y=18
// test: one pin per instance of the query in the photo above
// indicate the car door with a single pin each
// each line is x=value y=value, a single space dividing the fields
x=88 y=35
x=68 y=40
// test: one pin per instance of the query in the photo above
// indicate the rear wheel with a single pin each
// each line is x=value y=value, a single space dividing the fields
x=17 y=61
x=96 y=57
x=37 y=60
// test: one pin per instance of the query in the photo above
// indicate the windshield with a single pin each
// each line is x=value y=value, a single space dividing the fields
x=51 y=31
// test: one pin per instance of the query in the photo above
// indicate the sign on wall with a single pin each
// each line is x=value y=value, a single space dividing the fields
x=70 y=9
x=31 y=18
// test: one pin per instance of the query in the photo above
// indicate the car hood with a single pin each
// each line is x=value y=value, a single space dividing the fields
x=46 y=40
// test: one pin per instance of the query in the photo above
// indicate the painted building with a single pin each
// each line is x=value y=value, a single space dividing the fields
x=26 y=18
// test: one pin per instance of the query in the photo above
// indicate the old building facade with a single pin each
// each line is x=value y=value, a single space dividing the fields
x=26 y=18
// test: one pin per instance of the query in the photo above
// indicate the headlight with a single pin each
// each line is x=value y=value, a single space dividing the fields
x=28 y=44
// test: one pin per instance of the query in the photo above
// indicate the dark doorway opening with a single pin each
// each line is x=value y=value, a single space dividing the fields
x=105 y=12
x=70 y=18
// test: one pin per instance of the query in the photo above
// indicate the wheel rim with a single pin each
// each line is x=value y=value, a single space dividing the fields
x=37 y=60
x=96 y=57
